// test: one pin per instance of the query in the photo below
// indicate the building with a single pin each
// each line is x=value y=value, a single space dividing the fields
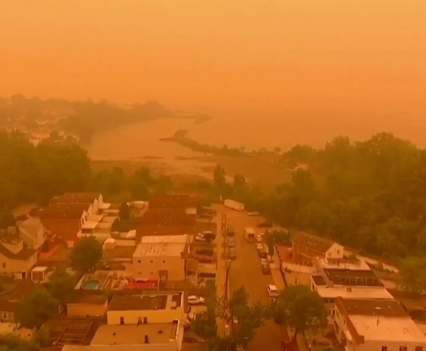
x=32 y=232
x=12 y=296
x=144 y=337
x=162 y=258
x=15 y=258
x=84 y=305
x=349 y=279
x=305 y=247
x=146 y=309
x=369 y=325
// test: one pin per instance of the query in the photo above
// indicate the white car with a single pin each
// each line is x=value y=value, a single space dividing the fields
x=195 y=300
x=253 y=214
x=259 y=238
x=272 y=291
x=263 y=261
x=259 y=247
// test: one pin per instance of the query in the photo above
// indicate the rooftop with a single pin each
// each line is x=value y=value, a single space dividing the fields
x=76 y=198
x=66 y=229
x=24 y=254
x=349 y=264
x=145 y=302
x=172 y=201
x=313 y=242
x=352 y=277
x=157 y=333
x=174 y=217
x=354 y=292
x=383 y=308
x=62 y=211
x=159 y=249
x=164 y=230
x=177 y=239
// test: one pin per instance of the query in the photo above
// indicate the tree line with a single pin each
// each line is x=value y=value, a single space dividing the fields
x=34 y=174
x=370 y=195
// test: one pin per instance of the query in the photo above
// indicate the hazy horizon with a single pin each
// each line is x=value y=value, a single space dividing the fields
x=238 y=57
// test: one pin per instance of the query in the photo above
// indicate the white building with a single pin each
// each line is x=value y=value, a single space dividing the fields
x=376 y=325
x=160 y=257
x=346 y=279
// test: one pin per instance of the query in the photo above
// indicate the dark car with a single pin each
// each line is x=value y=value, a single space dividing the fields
x=265 y=225
x=266 y=269
x=232 y=253
x=230 y=232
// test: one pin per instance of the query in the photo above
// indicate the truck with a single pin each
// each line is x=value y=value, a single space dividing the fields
x=234 y=205
x=249 y=234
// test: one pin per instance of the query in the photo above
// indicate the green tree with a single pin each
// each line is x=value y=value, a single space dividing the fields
x=239 y=182
x=61 y=285
x=6 y=220
x=413 y=273
x=124 y=212
x=11 y=342
x=219 y=177
x=300 y=308
x=36 y=308
x=86 y=254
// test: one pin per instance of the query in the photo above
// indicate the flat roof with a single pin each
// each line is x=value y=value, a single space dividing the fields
x=82 y=198
x=360 y=277
x=146 y=302
x=354 y=292
x=182 y=239
x=158 y=333
x=313 y=242
x=62 y=211
x=401 y=329
x=362 y=307
x=159 y=249
x=351 y=264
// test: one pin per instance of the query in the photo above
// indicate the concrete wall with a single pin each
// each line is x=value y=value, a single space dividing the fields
x=150 y=267
x=82 y=309
x=153 y=316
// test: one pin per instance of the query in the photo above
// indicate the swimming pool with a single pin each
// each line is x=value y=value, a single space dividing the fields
x=91 y=285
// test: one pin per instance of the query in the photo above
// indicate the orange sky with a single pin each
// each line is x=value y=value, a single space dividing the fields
x=213 y=54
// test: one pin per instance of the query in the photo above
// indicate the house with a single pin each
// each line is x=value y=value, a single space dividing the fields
x=32 y=232
x=84 y=305
x=305 y=247
x=162 y=307
x=162 y=258
x=12 y=296
x=347 y=280
x=368 y=325
x=66 y=220
x=15 y=258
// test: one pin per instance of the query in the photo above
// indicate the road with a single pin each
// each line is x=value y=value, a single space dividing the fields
x=246 y=270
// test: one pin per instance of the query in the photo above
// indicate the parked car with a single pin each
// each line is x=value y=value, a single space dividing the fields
x=230 y=231
x=259 y=247
x=272 y=291
x=264 y=265
x=195 y=300
x=231 y=243
x=232 y=253
x=259 y=238
x=200 y=237
x=265 y=225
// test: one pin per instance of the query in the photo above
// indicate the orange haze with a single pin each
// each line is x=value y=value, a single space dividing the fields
x=209 y=55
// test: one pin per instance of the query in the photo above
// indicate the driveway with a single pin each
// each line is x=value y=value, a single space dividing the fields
x=246 y=270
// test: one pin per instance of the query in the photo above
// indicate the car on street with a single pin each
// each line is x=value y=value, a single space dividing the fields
x=265 y=225
x=231 y=243
x=264 y=265
x=195 y=300
x=200 y=237
x=259 y=238
x=232 y=253
x=272 y=291
x=230 y=231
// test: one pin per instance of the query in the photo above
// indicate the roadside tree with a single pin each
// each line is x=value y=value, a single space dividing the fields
x=413 y=273
x=12 y=342
x=86 y=254
x=124 y=212
x=219 y=177
x=300 y=308
x=61 y=285
x=37 y=308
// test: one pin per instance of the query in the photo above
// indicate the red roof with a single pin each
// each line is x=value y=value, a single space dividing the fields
x=62 y=211
x=75 y=198
x=172 y=201
x=67 y=229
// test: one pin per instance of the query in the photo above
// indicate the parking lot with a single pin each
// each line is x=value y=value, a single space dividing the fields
x=246 y=270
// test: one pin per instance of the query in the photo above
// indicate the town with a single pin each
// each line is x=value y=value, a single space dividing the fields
x=74 y=279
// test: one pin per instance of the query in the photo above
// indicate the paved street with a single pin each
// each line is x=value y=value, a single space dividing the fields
x=246 y=270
